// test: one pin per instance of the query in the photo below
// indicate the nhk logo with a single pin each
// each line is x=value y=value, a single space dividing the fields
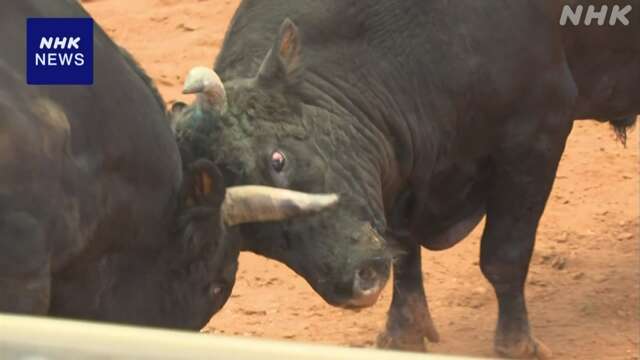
x=610 y=15
x=56 y=58
x=60 y=51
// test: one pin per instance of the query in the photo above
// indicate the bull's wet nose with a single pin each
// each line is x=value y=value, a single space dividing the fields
x=368 y=282
x=366 y=279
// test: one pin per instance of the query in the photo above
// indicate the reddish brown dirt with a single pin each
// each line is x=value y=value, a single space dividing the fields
x=583 y=286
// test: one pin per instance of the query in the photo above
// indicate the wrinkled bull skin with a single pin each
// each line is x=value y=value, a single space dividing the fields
x=425 y=116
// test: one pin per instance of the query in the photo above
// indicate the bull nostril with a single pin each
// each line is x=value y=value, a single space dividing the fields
x=367 y=284
x=366 y=274
x=366 y=280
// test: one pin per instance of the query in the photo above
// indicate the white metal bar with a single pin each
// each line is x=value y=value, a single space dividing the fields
x=32 y=338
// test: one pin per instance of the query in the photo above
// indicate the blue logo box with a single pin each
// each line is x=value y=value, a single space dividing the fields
x=60 y=51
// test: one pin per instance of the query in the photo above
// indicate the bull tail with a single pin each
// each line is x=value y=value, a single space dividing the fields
x=621 y=125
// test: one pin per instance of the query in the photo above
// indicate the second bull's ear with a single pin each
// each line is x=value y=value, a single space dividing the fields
x=205 y=185
x=282 y=64
x=174 y=114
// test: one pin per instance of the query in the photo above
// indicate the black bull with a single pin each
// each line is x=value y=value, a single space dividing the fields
x=99 y=217
x=425 y=116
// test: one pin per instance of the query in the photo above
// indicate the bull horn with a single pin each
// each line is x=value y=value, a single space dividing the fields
x=253 y=203
x=208 y=86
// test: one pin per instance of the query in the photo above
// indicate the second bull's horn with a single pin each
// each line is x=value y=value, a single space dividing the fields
x=253 y=203
x=204 y=82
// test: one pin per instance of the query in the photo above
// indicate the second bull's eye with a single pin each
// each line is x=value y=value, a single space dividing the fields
x=278 y=161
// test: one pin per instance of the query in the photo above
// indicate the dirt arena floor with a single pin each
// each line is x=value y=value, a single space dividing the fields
x=583 y=287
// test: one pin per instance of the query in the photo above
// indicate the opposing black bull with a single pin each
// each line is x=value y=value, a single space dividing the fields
x=425 y=116
x=99 y=218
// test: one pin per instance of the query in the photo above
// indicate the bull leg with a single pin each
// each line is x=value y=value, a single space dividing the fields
x=24 y=265
x=409 y=320
x=522 y=183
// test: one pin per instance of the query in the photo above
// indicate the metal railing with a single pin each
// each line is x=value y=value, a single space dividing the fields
x=33 y=338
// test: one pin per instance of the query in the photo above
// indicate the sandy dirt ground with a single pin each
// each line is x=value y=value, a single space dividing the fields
x=583 y=288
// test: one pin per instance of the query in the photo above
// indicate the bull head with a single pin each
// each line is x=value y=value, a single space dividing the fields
x=273 y=129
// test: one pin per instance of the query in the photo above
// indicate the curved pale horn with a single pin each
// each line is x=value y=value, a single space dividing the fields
x=253 y=203
x=204 y=82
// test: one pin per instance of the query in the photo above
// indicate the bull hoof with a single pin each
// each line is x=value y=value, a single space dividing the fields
x=430 y=331
x=527 y=348
x=407 y=329
x=404 y=342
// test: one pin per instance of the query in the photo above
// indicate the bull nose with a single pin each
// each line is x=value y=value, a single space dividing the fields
x=368 y=282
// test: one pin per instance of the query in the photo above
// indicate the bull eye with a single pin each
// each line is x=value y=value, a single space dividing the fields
x=278 y=161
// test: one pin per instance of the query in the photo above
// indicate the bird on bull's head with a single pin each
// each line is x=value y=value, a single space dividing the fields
x=268 y=130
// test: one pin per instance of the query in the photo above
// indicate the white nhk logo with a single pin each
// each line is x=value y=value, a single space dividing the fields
x=59 y=58
x=617 y=14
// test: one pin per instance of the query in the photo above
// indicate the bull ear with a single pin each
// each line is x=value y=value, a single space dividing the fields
x=177 y=107
x=174 y=114
x=283 y=61
x=204 y=184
